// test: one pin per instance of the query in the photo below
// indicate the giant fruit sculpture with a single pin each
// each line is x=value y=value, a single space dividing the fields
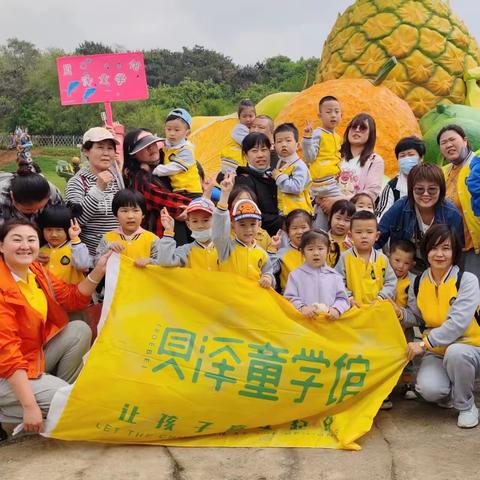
x=432 y=45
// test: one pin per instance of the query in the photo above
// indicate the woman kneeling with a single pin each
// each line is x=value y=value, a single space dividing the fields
x=444 y=300
x=40 y=351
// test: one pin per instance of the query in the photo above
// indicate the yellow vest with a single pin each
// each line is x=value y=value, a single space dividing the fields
x=188 y=180
x=434 y=305
x=140 y=246
x=34 y=295
x=231 y=155
x=401 y=297
x=61 y=264
x=245 y=261
x=291 y=260
x=288 y=201
x=327 y=162
x=365 y=281
x=472 y=223
x=203 y=258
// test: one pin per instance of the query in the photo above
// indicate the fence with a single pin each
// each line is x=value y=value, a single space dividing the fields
x=48 y=140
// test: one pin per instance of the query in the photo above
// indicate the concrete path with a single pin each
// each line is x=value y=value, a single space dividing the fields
x=412 y=441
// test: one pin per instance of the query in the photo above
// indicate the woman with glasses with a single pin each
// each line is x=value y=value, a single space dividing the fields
x=425 y=205
x=361 y=169
x=458 y=156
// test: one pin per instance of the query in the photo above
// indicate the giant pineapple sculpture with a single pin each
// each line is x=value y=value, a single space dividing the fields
x=433 y=48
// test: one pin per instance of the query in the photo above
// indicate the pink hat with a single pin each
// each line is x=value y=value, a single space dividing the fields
x=200 y=204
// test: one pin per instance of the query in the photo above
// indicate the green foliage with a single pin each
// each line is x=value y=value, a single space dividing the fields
x=203 y=81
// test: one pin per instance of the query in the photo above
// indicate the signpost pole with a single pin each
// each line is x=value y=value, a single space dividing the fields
x=108 y=113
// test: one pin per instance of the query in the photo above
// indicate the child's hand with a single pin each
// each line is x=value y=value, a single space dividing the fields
x=308 y=130
x=398 y=310
x=353 y=302
x=142 y=262
x=74 y=230
x=208 y=185
x=43 y=258
x=168 y=222
x=227 y=183
x=275 y=173
x=265 y=281
x=309 y=311
x=276 y=240
x=116 y=247
x=333 y=314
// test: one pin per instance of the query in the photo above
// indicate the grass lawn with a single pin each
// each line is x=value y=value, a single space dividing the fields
x=47 y=160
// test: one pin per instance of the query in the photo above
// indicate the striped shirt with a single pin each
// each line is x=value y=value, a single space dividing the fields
x=97 y=217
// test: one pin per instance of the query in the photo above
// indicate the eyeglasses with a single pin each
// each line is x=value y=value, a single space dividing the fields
x=430 y=190
x=361 y=127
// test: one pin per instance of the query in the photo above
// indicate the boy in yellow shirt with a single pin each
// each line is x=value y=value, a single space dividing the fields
x=179 y=163
x=130 y=239
x=241 y=255
x=200 y=253
x=367 y=272
x=63 y=254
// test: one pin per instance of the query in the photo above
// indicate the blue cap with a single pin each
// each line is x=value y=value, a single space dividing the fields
x=183 y=114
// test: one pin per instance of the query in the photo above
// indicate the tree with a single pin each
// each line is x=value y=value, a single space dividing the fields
x=92 y=48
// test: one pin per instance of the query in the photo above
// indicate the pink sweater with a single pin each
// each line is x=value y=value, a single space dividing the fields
x=371 y=176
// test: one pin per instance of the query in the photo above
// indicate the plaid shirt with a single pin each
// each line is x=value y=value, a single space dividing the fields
x=7 y=210
x=157 y=197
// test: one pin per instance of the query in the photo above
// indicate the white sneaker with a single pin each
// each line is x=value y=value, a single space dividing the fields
x=468 y=418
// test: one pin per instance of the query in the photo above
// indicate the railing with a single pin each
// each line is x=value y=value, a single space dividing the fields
x=48 y=140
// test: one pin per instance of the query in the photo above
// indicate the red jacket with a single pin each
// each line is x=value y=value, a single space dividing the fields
x=23 y=332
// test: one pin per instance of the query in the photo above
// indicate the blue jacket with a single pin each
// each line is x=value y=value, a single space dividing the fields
x=473 y=183
x=400 y=221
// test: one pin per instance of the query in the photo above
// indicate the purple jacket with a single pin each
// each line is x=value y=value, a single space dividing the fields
x=307 y=285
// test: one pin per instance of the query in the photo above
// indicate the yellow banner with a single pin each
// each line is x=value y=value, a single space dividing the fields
x=211 y=359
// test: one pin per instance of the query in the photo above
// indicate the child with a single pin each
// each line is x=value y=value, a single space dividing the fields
x=291 y=173
x=315 y=288
x=321 y=149
x=402 y=260
x=339 y=225
x=290 y=257
x=367 y=273
x=244 y=192
x=363 y=201
x=130 y=238
x=241 y=255
x=231 y=157
x=200 y=253
x=179 y=163
x=63 y=254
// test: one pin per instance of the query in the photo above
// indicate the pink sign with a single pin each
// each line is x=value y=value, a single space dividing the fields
x=112 y=77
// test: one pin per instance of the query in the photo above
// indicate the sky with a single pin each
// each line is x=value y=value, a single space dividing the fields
x=247 y=30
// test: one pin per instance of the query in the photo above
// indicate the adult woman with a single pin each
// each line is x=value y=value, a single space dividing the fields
x=93 y=187
x=410 y=217
x=445 y=301
x=256 y=150
x=142 y=154
x=361 y=169
x=456 y=150
x=36 y=338
x=25 y=194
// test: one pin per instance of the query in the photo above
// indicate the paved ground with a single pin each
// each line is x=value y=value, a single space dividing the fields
x=412 y=441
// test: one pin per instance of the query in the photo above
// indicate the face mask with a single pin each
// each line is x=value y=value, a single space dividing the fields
x=407 y=163
x=463 y=155
x=258 y=170
x=202 y=235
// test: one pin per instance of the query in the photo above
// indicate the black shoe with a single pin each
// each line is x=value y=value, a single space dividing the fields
x=3 y=434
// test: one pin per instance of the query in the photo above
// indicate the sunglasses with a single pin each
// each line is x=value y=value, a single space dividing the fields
x=430 y=190
x=361 y=127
